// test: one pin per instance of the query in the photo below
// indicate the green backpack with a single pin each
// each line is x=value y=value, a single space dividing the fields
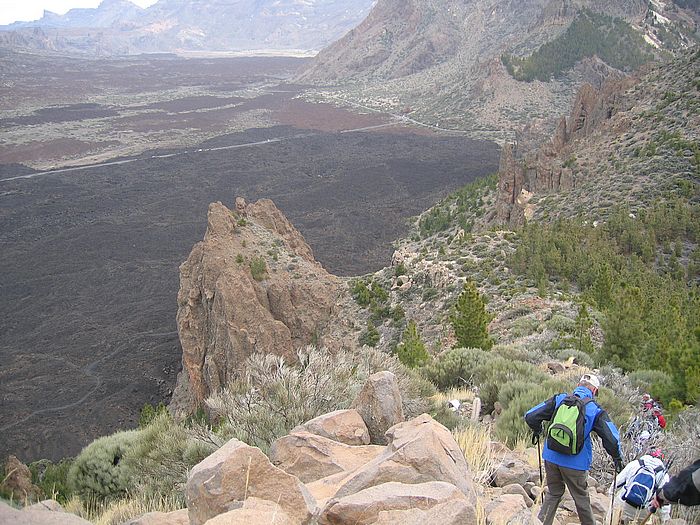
x=565 y=434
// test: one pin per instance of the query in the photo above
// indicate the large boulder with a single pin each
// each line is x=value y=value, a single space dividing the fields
x=363 y=508
x=419 y=451
x=514 y=488
x=224 y=480
x=9 y=515
x=379 y=403
x=17 y=481
x=178 y=517
x=514 y=470
x=344 y=426
x=310 y=457
x=254 y=512
x=504 y=508
x=453 y=512
x=324 y=489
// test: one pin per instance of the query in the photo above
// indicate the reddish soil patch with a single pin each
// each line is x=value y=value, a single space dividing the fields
x=48 y=150
x=324 y=117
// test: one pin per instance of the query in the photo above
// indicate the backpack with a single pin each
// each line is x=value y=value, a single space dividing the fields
x=640 y=489
x=566 y=432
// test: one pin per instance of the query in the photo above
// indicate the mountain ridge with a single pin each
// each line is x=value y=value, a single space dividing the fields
x=119 y=27
x=461 y=82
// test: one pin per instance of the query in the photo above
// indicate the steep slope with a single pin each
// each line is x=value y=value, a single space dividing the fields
x=119 y=27
x=441 y=61
x=629 y=141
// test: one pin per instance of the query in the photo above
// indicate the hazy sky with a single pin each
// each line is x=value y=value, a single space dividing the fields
x=13 y=10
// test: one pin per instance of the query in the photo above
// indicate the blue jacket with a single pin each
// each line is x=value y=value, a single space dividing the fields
x=597 y=420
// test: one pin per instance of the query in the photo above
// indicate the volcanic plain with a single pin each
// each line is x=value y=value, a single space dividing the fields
x=106 y=172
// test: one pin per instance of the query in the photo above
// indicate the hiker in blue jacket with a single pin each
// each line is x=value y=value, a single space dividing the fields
x=568 y=467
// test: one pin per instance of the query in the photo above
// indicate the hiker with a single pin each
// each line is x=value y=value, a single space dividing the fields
x=636 y=486
x=568 y=451
x=652 y=410
x=683 y=488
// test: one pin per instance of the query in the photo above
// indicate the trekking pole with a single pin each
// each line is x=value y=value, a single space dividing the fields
x=539 y=459
x=612 y=497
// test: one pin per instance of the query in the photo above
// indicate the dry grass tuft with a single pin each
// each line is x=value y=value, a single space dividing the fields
x=475 y=442
x=120 y=511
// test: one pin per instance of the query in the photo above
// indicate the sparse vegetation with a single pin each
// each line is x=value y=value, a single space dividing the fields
x=274 y=396
x=258 y=268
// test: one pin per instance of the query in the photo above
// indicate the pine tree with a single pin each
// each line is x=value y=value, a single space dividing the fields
x=583 y=327
x=411 y=350
x=470 y=319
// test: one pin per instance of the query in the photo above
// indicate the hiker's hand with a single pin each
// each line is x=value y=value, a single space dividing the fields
x=618 y=465
x=655 y=504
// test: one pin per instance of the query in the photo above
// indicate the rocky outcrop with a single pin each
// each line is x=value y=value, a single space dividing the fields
x=548 y=169
x=252 y=285
x=379 y=403
x=236 y=472
x=344 y=426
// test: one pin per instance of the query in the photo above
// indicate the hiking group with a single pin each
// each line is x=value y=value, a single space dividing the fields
x=638 y=489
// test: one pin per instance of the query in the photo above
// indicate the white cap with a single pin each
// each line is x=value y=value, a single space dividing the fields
x=591 y=379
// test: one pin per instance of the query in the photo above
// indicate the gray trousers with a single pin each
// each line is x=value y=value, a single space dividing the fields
x=559 y=478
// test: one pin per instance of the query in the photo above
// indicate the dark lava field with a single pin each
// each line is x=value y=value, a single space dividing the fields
x=89 y=264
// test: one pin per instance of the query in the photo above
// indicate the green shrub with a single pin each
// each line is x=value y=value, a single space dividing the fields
x=560 y=323
x=150 y=412
x=360 y=292
x=517 y=399
x=618 y=409
x=518 y=352
x=581 y=358
x=370 y=337
x=644 y=380
x=258 y=268
x=483 y=369
x=411 y=351
x=162 y=455
x=52 y=478
x=273 y=397
x=99 y=470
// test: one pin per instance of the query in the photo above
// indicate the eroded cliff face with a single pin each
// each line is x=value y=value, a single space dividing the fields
x=547 y=169
x=228 y=309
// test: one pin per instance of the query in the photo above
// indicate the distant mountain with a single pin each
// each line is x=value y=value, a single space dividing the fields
x=109 y=13
x=459 y=64
x=120 y=27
